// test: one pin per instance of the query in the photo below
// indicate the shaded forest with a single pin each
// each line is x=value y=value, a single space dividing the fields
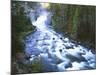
x=77 y=22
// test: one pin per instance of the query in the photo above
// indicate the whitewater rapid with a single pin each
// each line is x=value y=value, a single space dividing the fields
x=57 y=53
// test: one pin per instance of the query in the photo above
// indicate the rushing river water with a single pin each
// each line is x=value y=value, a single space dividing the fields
x=57 y=53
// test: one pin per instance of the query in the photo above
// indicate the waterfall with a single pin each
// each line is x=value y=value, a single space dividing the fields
x=56 y=52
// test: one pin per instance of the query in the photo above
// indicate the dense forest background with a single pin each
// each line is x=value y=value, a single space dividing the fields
x=75 y=21
x=78 y=21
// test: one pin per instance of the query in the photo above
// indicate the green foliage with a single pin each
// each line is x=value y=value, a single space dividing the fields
x=37 y=66
x=21 y=26
x=78 y=21
x=75 y=22
x=59 y=20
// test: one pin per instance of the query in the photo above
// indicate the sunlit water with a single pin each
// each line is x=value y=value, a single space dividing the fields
x=56 y=52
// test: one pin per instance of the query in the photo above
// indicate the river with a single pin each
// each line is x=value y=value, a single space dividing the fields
x=57 y=53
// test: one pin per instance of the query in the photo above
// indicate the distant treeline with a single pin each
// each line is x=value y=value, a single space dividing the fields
x=77 y=21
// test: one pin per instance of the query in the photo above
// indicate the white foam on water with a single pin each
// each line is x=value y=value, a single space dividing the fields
x=51 y=47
